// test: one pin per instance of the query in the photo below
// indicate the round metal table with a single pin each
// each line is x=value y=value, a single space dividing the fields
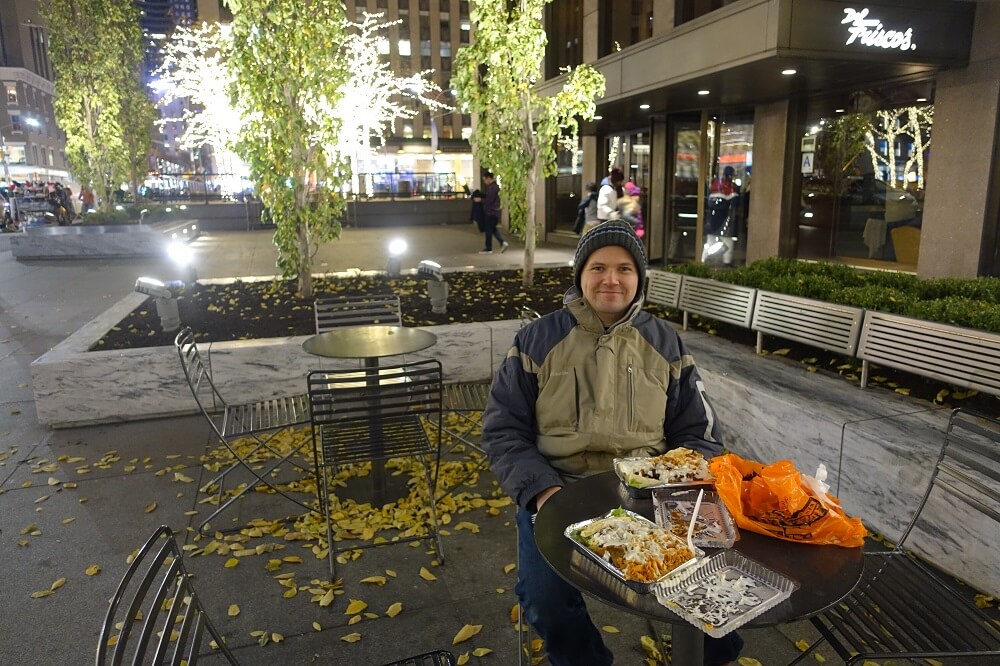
x=825 y=574
x=369 y=342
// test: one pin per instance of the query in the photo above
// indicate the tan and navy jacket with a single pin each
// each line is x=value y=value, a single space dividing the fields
x=570 y=396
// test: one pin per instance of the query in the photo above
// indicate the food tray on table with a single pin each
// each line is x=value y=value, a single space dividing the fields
x=644 y=536
x=724 y=593
x=679 y=468
x=715 y=527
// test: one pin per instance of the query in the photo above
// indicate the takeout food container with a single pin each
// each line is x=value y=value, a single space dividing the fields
x=724 y=593
x=572 y=532
x=715 y=527
x=646 y=492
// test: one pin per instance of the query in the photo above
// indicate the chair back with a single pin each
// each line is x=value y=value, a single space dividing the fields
x=198 y=375
x=335 y=311
x=967 y=469
x=160 y=615
x=373 y=414
x=528 y=315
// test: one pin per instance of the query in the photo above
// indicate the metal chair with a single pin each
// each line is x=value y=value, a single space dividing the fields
x=467 y=401
x=334 y=311
x=437 y=658
x=260 y=420
x=375 y=419
x=901 y=608
x=161 y=617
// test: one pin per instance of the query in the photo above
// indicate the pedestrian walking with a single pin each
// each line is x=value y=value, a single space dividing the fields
x=491 y=210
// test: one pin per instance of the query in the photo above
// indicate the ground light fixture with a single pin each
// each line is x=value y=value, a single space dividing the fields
x=165 y=296
x=437 y=287
x=397 y=248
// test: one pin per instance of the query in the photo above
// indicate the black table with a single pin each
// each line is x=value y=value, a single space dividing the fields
x=825 y=574
x=370 y=342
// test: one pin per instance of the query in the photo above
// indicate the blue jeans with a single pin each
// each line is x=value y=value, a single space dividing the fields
x=556 y=611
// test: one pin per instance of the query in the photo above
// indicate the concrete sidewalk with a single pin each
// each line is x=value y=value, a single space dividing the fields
x=84 y=496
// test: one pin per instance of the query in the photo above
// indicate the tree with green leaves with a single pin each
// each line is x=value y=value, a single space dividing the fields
x=516 y=131
x=96 y=48
x=289 y=68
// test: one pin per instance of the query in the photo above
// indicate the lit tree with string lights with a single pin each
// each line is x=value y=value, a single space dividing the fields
x=195 y=70
x=516 y=131
x=374 y=97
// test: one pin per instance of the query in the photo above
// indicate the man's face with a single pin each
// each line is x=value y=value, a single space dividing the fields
x=609 y=281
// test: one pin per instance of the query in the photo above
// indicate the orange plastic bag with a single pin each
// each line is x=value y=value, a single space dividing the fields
x=777 y=500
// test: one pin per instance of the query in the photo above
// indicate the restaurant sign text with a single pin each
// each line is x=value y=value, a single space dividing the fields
x=870 y=32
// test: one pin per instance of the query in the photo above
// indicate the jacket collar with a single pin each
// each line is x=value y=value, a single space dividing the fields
x=586 y=317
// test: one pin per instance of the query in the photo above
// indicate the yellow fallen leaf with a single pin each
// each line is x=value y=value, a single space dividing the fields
x=481 y=652
x=610 y=629
x=151 y=507
x=463 y=659
x=276 y=637
x=67 y=521
x=59 y=583
x=182 y=478
x=394 y=609
x=53 y=481
x=351 y=638
x=781 y=352
x=390 y=573
x=290 y=592
x=427 y=575
x=354 y=620
x=466 y=632
x=41 y=499
x=941 y=395
x=802 y=645
x=355 y=607
x=903 y=391
x=93 y=570
x=317 y=626
x=748 y=661
x=820 y=659
x=374 y=580
x=234 y=610
x=507 y=568
x=326 y=599
x=43 y=593
x=231 y=562
x=293 y=559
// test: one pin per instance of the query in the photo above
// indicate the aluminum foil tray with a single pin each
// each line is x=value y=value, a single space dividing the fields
x=572 y=533
x=647 y=491
x=724 y=593
x=715 y=527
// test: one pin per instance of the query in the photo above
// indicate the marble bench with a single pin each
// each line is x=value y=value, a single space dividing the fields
x=87 y=241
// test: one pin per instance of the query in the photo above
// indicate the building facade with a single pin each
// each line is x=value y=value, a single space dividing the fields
x=34 y=146
x=861 y=132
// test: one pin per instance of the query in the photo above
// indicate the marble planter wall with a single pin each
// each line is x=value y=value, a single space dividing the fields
x=86 y=241
x=878 y=447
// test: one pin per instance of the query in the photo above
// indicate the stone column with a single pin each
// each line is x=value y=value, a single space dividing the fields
x=767 y=224
x=962 y=167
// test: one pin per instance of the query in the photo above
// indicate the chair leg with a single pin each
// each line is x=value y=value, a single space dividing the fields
x=242 y=461
x=462 y=438
x=433 y=507
x=807 y=652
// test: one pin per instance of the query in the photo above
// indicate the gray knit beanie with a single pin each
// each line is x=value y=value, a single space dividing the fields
x=612 y=232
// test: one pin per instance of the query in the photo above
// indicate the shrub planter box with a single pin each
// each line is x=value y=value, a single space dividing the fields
x=87 y=241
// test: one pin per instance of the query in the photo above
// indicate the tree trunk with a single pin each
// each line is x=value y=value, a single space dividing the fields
x=530 y=229
x=305 y=268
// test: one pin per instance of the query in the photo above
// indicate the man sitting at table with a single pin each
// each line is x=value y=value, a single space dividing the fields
x=596 y=380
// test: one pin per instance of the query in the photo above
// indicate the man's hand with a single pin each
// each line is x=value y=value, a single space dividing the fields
x=543 y=496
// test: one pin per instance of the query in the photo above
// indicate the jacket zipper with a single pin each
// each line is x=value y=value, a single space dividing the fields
x=631 y=399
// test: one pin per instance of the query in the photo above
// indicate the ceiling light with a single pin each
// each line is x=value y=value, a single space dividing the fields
x=598 y=117
x=703 y=92
x=644 y=106
x=789 y=72
x=921 y=99
x=838 y=110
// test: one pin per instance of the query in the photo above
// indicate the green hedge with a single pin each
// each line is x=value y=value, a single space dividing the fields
x=968 y=303
x=129 y=214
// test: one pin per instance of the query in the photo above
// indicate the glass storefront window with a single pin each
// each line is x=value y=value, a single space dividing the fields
x=730 y=147
x=862 y=185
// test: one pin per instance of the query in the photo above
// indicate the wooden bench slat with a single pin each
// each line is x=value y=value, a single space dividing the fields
x=815 y=323
x=965 y=357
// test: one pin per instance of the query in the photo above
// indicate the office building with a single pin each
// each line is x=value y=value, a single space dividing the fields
x=857 y=132
x=35 y=146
